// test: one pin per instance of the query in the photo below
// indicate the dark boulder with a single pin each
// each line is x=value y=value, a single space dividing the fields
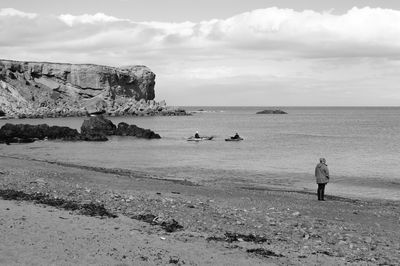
x=96 y=128
x=132 y=130
x=270 y=111
x=64 y=133
x=123 y=129
x=24 y=133
x=2 y=113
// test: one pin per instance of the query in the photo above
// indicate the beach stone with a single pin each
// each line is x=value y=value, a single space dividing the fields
x=40 y=181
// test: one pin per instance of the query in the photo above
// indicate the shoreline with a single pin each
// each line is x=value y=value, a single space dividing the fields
x=145 y=175
x=297 y=228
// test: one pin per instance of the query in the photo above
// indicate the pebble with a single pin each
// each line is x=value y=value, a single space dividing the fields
x=368 y=239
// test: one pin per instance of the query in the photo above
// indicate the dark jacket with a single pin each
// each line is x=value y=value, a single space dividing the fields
x=321 y=173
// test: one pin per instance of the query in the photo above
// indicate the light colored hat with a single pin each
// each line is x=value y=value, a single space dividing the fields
x=197 y=131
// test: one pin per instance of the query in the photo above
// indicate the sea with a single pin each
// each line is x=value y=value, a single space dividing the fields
x=361 y=146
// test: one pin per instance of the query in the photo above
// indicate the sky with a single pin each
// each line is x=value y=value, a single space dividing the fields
x=241 y=53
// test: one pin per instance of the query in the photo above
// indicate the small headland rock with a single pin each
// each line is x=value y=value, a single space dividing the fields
x=271 y=111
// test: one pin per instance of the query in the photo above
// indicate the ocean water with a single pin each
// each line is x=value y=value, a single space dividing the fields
x=361 y=145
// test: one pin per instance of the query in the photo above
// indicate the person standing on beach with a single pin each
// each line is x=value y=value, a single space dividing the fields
x=322 y=177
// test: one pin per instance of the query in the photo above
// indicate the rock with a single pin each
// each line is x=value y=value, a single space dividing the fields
x=97 y=127
x=132 y=130
x=100 y=126
x=271 y=111
x=2 y=113
x=40 y=182
x=64 y=133
x=22 y=133
x=174 y=260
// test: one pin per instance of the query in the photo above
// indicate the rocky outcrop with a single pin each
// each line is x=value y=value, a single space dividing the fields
x=270 y=111
x=132 y=130
x=24 y=133
x=39 y=89
x=98 y=126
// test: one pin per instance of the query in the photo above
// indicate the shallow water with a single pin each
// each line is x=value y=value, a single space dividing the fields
x=361 y=145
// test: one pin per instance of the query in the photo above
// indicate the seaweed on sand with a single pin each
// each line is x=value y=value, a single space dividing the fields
x=233 y=237
x=89 y=209
x=263 y=252
x=169 y=225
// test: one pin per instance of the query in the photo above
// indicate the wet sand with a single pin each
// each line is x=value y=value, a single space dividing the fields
x=222 y=225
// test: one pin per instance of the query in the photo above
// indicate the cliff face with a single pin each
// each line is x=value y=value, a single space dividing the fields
x=53 y=89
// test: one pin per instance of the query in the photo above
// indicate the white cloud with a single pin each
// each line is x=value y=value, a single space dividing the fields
x=294 y=51
x=11 y=12
x=97 y=18
x=359 y=32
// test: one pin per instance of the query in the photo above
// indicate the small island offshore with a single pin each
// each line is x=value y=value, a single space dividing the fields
x=55 y=212
x=272 y=111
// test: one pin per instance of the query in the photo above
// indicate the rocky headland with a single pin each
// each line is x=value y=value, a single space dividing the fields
x=41 y=89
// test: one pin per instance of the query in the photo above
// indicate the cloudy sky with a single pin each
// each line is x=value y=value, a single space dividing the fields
x=223 y=52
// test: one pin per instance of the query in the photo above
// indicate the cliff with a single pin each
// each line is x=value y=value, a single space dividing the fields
x=40 y=89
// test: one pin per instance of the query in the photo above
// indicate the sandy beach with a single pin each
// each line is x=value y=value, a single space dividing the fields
x=162 y=222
